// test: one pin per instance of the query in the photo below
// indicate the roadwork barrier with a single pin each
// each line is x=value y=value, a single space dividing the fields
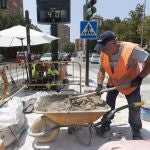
x=57 y=76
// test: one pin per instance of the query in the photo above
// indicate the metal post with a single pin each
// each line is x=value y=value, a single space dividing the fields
x=24 y=56
x=87 y=55
x=87 y=64
x=142 y=30
x=28 y=34
x=54 y=44
x=28 y=42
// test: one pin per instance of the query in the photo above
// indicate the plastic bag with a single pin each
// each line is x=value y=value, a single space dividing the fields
x=11 y=114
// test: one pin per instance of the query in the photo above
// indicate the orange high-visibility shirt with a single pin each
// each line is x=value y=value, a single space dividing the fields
x=122 y=75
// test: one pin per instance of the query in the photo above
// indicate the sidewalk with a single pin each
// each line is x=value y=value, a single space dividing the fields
x=120 y=129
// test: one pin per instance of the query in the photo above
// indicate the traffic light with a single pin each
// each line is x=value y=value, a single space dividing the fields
x=90 y=9
x=3 y=4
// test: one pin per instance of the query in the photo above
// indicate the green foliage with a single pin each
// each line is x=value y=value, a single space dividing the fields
x=40 y=49
x=146 y=27
x=69 y=47
x=148 y=50
x=9 y=19
x=129 y=29
x=91 y=45
x=107 y=25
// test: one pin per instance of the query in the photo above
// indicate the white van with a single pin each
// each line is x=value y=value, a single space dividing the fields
x=95 y=58
x=46 y=57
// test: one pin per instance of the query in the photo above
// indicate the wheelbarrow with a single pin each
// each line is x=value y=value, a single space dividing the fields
x=46 y=128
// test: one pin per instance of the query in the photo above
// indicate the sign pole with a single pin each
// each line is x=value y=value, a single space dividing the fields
x=87 y=64
x=88 y=10
x=88 y=31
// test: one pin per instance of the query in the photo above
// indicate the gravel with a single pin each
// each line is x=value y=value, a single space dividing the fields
x=63 y=103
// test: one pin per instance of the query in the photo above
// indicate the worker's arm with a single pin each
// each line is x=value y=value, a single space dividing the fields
x=100 y=75
x=146 y=69
x=100 y=79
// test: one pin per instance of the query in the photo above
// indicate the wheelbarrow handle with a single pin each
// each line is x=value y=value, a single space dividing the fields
x=112 y=112
x=93 y=93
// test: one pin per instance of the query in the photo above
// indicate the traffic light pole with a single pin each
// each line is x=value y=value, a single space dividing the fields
x=90 y=10
x=87 y=49
x=87 y=64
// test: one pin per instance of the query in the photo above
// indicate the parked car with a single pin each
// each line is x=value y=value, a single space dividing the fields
x=60 y=56
x=1 y=58
x=46 y=57
x=95 y=58
x=21 y=56
x=67 y=57
x=84 y=57
x=64 y=56
x=37 y=57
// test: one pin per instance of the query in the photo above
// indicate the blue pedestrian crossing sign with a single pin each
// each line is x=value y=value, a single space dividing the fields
x=88 y=29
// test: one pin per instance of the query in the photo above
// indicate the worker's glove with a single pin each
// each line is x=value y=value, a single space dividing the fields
x=136 y=82
x=98 y=89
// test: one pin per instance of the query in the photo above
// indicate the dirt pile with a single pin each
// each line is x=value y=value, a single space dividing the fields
x=63 y=103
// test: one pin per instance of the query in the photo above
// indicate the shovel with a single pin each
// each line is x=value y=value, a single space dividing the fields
x=93 y=93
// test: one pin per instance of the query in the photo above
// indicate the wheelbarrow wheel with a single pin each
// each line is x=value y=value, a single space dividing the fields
x=38 y=126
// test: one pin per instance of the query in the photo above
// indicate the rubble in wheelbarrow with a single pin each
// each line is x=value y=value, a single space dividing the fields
x=54 y=103
x=85 y=103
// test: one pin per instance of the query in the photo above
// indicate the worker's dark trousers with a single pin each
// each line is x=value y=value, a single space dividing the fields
x=134 y=113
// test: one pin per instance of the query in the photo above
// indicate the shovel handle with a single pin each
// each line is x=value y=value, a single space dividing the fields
x=93 y=93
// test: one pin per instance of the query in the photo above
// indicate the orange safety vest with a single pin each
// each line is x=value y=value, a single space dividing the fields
x=122 y=75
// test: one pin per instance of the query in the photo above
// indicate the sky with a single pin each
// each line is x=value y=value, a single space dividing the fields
x=108 y=9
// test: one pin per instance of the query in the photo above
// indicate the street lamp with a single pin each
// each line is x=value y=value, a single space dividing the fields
x=142 y=32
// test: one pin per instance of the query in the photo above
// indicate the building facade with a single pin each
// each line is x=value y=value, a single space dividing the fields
x=13 y=5
x=80 y=45
x=63 y=32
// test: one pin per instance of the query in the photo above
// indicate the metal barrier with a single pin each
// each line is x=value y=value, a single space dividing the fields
x=58 y=73
x=42 y=75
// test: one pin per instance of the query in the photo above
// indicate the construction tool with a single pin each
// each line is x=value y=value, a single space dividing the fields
x=10 y=98
x=12 y=80
x=93 y=93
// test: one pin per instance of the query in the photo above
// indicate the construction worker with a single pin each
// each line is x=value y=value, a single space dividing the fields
x=53 y=72
x=52 y=75
x=33 y=70
x=121 y=62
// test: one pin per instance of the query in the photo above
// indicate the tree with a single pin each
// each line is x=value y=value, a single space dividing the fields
x=9 y=19
x=92 y=44
x=146 y=26
x=129 y=29
x=107 y=25
x=69 y=47
x=136 y=22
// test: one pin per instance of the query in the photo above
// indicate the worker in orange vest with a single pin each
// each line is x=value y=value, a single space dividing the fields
x=120 y=60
